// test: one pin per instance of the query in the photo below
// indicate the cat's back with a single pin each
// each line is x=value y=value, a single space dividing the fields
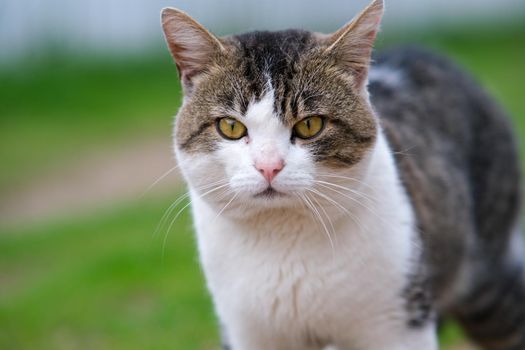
x=457 y=159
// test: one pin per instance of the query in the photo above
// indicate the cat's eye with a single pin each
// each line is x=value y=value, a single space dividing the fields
x=308 y=127
x=230 y=128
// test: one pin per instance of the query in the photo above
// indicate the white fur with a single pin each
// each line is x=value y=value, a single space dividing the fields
x=277 y=280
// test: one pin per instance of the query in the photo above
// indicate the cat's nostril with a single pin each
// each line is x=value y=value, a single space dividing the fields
x=269 y=169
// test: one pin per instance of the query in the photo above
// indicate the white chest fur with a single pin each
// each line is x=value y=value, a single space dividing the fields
x=278 y=282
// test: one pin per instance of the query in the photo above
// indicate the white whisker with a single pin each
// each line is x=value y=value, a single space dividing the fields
x=314 y=209
x=359 y=193
x=327 y=217
x=342 y=208
x=168 y=211
x=186 y=206
x=177 y=201
x=171 y=224
x=354 y=200
x=362 y=231
x=224 y=208
x=158 y=180
x=348 y=178
x=405 y=151
x=331 y=200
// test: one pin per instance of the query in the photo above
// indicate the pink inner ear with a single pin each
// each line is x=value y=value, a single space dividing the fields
x=190 y=60
x=191 y=45
x=186 y=74
x=354 y=42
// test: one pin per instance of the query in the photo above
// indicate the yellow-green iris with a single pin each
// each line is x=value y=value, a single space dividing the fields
x=308 y=127
x=231 y=129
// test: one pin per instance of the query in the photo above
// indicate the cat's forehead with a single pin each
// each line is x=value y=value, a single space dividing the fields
x=273 y=53
x=272 y=63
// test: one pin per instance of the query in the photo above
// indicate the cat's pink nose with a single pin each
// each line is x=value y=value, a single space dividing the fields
x=269 y=168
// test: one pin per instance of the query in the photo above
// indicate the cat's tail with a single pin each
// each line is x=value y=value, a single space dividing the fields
x=493 y=313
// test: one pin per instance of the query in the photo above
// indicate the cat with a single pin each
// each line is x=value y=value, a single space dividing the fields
x=344 y=205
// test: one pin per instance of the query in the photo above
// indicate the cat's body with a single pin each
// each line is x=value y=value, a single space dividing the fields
x=323 y=223
x=304 y=292
x=458 y=162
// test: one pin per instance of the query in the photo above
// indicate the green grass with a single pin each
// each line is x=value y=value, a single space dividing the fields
x=59 y=109
x=104 y=282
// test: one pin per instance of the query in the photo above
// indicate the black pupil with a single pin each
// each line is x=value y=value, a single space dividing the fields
x=232 y=125
x=307 y=121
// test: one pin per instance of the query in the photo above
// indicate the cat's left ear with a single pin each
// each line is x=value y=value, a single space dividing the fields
x=353 y=43
x=191 y=45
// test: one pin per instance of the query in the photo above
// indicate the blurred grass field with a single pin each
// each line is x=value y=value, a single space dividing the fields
x=102 y=280
x=60 y=108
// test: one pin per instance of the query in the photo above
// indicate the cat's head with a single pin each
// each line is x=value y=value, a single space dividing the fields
x=266 y=116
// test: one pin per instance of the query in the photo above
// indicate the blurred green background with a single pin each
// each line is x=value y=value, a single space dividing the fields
x=85 y=260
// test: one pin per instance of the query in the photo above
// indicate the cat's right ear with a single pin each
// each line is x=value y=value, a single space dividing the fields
x=353 y=43
x=191 y=45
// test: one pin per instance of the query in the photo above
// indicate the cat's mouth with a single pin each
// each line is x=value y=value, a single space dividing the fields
x=269 y=193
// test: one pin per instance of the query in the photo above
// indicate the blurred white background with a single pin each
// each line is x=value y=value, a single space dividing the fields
x=133 y=25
